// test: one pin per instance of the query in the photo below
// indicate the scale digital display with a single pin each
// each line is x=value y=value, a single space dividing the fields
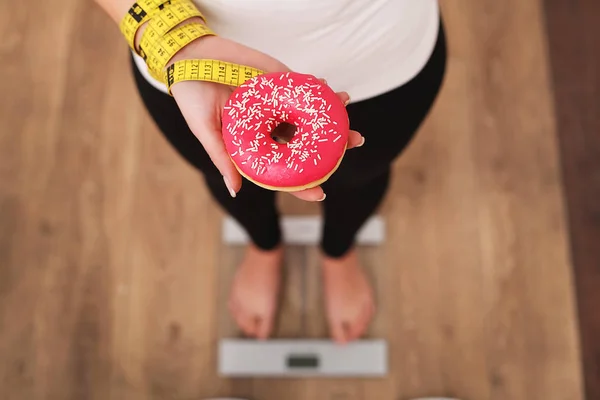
x=303 y=361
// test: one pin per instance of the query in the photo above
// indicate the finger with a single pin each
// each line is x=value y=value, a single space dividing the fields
x=214 y=146
x=355 y=139
x=344 y=97
x=314 y=194
x=205 y=123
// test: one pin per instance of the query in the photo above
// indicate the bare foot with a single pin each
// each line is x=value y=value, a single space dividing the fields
x=253 y=298
x=349 y=297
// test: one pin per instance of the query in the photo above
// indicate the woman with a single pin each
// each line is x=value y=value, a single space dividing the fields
x=389 y=55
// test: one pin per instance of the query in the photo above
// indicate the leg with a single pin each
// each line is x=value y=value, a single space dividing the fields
x=350 y=304
x=256 y=285
x=345 y=211
x=355 y=191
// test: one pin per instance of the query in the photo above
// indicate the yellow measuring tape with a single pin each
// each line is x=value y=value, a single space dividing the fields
x=170 y=16
x=141 y=12
x=157 y=51
x=164 y=36
x=209 y=71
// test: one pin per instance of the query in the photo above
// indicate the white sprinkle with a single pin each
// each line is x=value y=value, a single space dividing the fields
x=337 y=138
x=302 y=169
x=234 y=154
x=319 y=156
x=322 y=140
x=329 y=107
x=315 y=160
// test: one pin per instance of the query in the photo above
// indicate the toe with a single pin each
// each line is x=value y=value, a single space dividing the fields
x=246 y=323
x=253 y=325
x=339 y=332
x=264 y=327
x=347 y=328
x=362 y=322
x=357 y=328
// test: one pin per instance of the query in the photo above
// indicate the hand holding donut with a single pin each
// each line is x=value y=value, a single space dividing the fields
x=204 y=104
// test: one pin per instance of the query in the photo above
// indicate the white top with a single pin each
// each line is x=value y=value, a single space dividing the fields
x=364 y=47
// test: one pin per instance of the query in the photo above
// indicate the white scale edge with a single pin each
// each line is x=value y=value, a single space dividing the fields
x=305 y=230
x=289 y=358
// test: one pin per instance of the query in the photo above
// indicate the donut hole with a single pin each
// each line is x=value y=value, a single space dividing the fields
x=284 y=132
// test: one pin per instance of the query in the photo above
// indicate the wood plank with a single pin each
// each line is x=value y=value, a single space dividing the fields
x=531 y=353
x=290 y=325
x=573 y=30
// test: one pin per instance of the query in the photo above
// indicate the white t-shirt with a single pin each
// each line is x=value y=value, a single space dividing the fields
x=364 y=47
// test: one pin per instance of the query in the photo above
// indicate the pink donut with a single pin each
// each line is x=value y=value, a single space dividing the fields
x=262 y=103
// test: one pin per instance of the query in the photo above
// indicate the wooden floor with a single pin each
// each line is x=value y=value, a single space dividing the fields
x=113 y=277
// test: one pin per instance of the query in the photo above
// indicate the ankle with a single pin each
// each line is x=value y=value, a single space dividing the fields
x=347 y=260
x=255 y=249
x=257 y=258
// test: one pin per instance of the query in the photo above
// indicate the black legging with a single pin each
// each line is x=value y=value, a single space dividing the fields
x=388 y=122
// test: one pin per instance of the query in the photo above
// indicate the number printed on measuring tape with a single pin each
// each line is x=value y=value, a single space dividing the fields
x=171 y=16
x=210 y=71
x=136 y=16
x=144 y=10
x=157 y=52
